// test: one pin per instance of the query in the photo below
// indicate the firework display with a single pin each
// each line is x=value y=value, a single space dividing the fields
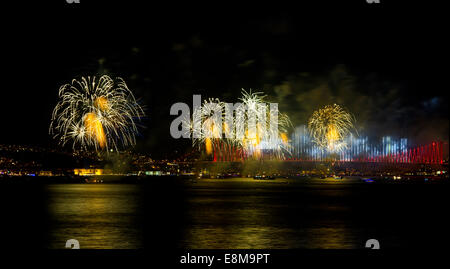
x=357 y=148
x=360 y=149
x=330 y=126
x=96 y=113
x=209 y=121
x=252 y=130
x=265 y=131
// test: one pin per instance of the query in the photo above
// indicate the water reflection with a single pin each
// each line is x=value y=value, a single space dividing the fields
x=225 y=215
x=268 y=217
x=97 y=215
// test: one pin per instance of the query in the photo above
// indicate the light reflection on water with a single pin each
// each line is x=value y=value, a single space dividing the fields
x=268 y=218
x=97 y=215
x=222 y=215
x=244 y=213
x=268 y=237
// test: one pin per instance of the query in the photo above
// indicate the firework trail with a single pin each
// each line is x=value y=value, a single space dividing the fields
x=211 y=126
x=259 y=135
x=248 y=131
x=330 y=126
x=96 y=113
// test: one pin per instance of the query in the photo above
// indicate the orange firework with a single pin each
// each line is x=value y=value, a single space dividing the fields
x=330 y=126
x=99 y=113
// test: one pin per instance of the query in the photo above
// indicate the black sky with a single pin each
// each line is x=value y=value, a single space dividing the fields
x=391 y=55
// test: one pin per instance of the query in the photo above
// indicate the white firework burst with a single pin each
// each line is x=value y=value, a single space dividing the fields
x=261 y=136
x=96 y=113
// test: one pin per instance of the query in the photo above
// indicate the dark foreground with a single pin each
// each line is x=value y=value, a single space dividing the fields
x=226 y=214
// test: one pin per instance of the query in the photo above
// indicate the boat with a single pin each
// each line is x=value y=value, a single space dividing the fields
x=368 y=179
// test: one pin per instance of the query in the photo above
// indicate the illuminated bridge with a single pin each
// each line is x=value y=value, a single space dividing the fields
x=359 y=149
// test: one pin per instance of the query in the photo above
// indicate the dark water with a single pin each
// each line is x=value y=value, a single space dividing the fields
x=247 y=214
x=97 y=215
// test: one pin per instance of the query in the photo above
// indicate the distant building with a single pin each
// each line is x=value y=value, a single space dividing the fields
x=153 y=173
x=45 y=173
x=91 y=172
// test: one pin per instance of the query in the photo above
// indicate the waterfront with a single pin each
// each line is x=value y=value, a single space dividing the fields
x=245 y=213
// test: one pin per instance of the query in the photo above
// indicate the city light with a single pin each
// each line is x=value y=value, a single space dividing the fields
x=361 y=149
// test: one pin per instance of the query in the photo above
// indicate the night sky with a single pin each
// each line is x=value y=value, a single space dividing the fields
x=385 y=64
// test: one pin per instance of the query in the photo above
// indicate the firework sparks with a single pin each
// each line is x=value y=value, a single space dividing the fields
x=330 y=126
x=266 y=133
x=210 y=119
x=248 y=131
x=96 y=113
